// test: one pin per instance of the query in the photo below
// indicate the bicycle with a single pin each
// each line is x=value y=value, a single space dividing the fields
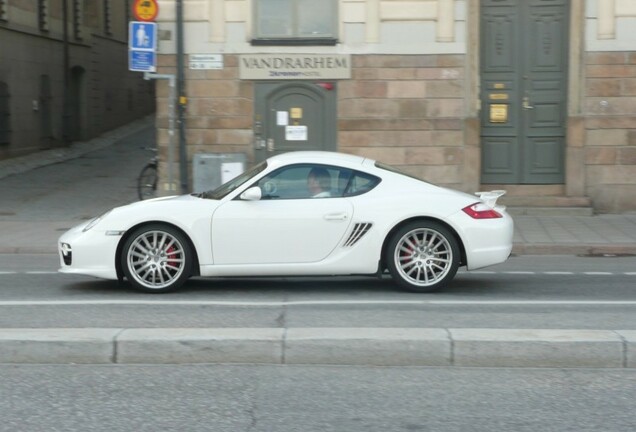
x=147 y=181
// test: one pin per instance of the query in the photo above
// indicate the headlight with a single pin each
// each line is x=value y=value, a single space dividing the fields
x=95 y=221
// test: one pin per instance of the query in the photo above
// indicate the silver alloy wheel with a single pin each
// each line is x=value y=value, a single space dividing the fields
x=423 y=257
x=156 y=259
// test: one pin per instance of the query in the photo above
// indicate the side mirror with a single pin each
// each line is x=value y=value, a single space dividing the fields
x=252 y=194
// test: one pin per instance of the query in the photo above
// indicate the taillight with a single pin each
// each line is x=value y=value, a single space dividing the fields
x=481 y=211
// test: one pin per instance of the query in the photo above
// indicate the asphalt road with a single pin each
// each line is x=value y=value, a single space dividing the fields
x=322 y=399
x=526 y=292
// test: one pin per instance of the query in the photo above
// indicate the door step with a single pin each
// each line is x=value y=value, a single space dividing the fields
x=548 y=200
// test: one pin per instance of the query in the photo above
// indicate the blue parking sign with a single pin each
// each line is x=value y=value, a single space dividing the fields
x=142 y=36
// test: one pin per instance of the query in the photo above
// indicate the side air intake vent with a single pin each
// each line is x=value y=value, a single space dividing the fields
x=359 y=230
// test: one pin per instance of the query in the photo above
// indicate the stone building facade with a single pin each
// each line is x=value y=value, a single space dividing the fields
x=102 y=94
x=537 y=96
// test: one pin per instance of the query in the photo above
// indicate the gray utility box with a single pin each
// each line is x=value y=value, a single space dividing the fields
x=211 y=170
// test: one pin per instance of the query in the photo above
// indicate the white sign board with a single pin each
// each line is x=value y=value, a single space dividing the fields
x=296 y=133
x=294 y=66
x=206 y=61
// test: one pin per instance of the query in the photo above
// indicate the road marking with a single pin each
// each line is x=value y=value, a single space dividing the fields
x=318 y=303
x=464 y=272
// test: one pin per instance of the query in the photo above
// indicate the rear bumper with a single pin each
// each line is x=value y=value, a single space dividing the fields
x=486 y=241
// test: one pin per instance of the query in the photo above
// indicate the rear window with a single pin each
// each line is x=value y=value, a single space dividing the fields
x=398 y=171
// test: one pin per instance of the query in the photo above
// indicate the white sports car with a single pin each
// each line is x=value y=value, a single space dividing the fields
x=299 y=213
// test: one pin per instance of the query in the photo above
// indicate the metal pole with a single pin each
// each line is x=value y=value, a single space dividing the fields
x=172 y=97
x=183 y=156
x=66 y=98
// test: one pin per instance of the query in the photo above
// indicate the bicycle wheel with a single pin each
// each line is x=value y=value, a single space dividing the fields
x=147 y=182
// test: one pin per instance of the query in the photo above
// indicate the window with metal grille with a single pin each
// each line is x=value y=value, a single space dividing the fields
x=108 y=25
x=4 y=10
x=5 y=113
x=43 y=15
x=78 y=18
x=295 y=22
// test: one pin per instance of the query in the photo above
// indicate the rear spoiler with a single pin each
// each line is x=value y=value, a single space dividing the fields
x=490 y=197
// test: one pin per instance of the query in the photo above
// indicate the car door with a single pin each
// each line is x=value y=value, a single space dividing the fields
x=287 y=225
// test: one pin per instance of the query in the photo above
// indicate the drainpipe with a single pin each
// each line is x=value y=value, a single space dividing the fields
x=181 y=105
x=66 y=98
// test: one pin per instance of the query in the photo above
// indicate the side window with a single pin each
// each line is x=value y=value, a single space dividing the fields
x=361 y=183
x=305 y=181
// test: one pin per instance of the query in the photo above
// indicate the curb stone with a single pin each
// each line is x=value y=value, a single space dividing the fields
x=338 y=346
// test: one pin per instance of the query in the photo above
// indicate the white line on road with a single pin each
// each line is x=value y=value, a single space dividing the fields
x=465 y=272
x=318 y=303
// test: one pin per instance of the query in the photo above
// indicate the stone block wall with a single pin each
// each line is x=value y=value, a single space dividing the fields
x=610 y=130
x=407 y=111
x=219 y=113
x=404 y=110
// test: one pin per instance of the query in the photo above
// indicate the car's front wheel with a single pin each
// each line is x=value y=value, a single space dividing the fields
x=157 y=258
x=422 y=256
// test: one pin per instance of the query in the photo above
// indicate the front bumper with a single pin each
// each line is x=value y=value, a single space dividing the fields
x=91 y=253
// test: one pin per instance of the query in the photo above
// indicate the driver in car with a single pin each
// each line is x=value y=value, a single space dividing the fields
x=319 y=183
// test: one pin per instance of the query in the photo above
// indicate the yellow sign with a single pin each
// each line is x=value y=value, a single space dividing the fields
x=296 y=113
x=145 y=10
x=498 y=96
x=498 y=113
x=499 y=86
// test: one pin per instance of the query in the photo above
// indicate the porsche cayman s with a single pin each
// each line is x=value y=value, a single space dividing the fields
x=296 y=214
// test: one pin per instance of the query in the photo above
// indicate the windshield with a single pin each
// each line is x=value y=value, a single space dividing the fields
x=225 y=189
x=397 y=171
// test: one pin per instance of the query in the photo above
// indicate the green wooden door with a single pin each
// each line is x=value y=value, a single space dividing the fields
x=524 y=52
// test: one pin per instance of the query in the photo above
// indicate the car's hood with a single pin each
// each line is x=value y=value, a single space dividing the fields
x=172 y=209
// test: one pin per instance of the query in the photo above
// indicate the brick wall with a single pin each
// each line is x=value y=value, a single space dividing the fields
x=610 y=130
x=406 y=110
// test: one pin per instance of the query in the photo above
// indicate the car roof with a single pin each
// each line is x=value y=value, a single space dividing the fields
x=323 y=157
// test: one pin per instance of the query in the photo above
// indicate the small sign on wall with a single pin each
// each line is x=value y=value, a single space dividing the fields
x=296 y=133
x=498 y=113
x=206 y=61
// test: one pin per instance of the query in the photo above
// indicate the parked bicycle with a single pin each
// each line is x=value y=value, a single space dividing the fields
x=147 y=181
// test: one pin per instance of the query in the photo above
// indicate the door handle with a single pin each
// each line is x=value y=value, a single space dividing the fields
x=336 y=216
x=526 y=103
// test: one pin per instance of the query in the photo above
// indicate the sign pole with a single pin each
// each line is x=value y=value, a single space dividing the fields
x=172 y=100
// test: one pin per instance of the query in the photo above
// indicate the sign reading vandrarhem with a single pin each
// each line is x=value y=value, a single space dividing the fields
x=294 y=66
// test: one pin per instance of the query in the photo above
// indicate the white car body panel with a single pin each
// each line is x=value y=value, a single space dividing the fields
x=282 y=229
x=234 y=237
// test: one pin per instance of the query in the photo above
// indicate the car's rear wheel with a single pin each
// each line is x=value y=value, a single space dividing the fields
x=157 y=258
x=422 y=256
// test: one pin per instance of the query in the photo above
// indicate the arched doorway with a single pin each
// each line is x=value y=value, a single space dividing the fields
x=45 y=98
x=77 y=104
x=294 y=116
x=5 y=113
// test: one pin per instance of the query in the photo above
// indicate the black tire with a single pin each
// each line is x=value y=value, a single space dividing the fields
x=157 y=258
x=147 y=182
x=422 y=256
